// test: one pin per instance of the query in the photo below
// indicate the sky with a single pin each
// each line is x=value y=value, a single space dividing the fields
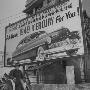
x=11 y=7
x=11 y=11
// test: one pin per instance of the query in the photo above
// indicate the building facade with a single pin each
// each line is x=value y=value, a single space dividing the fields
x=87 y=32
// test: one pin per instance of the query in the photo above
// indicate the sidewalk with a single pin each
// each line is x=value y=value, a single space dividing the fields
x=61 y=87
x=85 y=86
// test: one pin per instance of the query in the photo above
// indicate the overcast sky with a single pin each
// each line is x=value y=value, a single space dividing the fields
x=13 y=8
x=10 y=10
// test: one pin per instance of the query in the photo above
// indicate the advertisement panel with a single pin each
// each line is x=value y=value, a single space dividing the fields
x=54 y=32
x=70 y=75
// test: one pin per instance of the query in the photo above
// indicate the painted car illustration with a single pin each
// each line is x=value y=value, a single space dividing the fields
x=36 y=43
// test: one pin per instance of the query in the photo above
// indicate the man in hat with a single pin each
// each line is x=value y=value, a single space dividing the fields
x=17 y=76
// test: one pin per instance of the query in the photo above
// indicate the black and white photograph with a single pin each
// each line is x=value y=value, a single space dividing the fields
x=44 y=45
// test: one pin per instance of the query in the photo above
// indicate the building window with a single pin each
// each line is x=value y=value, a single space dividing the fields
x=29 y=13
x=39 y=7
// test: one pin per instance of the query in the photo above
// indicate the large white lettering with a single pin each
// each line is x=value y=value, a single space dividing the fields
x=44 y=23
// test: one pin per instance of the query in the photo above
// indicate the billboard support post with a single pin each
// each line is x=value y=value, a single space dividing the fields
x=85 y=56
x=5 y=49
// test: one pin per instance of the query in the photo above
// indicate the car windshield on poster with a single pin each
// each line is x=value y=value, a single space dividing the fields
x=54 y=32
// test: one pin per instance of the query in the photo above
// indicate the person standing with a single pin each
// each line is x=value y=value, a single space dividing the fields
x=17 y=77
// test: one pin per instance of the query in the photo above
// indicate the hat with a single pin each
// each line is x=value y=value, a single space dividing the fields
x=17 y=64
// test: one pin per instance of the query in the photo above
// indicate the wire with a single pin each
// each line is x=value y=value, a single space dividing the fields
x=5 y=21
x=12 y=15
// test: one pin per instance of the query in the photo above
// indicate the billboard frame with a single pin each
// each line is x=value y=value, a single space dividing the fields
x=83 y=34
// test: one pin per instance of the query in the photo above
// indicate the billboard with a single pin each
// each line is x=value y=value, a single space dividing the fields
x=58 y=27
